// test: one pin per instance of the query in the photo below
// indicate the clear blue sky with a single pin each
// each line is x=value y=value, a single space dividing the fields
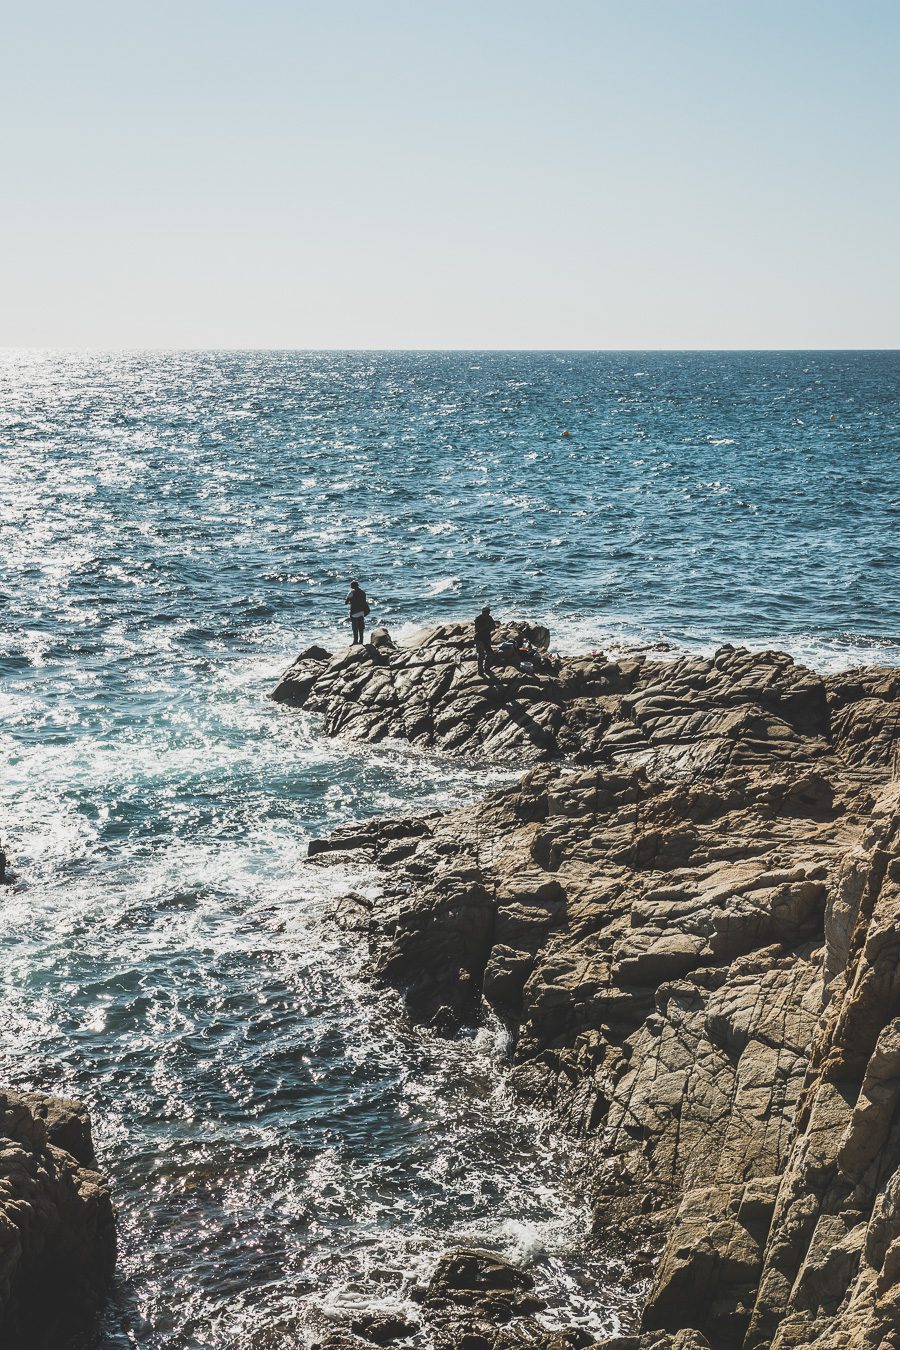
x=450 y=173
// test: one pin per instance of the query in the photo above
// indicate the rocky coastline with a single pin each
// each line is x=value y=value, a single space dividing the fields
x=687 y=912
x=57 y=1229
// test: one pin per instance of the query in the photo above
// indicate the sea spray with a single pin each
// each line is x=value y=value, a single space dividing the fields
x=177 y=527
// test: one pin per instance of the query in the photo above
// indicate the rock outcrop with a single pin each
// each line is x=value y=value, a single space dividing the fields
x=687 y=912
x=831 y=1267
x=57 y=1233
x=474 y=1301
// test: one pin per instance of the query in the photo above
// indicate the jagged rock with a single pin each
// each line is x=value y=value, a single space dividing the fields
x=693 y=940
x=712 y=1260
x=57 y=1232
x=382 y=1328
x=475 y=1299
x=689 y=715
x=831 y=1274
x=342 y=1338
x=682 y=1340
x=67 y=1125
x=481 y=1280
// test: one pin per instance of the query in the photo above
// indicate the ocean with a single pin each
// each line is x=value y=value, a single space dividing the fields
x=174 y=528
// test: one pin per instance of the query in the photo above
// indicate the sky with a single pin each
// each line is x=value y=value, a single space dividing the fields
x=450 y=173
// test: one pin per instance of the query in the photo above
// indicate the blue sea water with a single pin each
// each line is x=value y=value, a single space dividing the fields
x=173 y=528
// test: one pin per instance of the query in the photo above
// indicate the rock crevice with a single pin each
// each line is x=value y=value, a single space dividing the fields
x=686 y=911
x=57 y=1230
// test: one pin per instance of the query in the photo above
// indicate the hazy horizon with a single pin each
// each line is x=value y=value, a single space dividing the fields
x=482 y=351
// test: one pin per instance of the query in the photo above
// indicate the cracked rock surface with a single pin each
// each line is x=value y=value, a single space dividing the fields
x=57 y=1231
x=688 y=914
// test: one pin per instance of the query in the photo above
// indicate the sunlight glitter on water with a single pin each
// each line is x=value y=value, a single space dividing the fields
x=252 y=1097
x=173 y=529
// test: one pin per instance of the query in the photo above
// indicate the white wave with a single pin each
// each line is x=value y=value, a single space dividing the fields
x=444 y=585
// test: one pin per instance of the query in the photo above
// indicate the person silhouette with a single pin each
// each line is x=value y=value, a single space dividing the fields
x=484 y=627
x=359 y=608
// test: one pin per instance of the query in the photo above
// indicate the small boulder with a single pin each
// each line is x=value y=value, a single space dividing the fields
x=381 y=640
x=382 y=1328
x=481 y=1280
x=313 y=653
x=67 y=1123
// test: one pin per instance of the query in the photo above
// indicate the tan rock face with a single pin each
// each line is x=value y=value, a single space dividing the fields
x=831 y=1274
x=689 y=918
x=57 y=1232
x=692 y=714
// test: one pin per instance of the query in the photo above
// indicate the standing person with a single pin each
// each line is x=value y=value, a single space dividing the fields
x=484 y=627
x=359 y=608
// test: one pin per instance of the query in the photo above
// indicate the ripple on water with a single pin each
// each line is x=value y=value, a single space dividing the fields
x=179 y=524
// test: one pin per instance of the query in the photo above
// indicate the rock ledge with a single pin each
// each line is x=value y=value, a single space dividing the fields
x=688 y=914
x=57 y=1231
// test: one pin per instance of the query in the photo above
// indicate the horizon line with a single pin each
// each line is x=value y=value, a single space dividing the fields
x=11 y=347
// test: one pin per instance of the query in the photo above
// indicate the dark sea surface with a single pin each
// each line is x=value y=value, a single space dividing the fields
x=175 y=527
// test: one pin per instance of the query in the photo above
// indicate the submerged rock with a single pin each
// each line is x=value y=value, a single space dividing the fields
x=474 y=1301
x=57 y=1232
x=689 y=924
x=481 y=1280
